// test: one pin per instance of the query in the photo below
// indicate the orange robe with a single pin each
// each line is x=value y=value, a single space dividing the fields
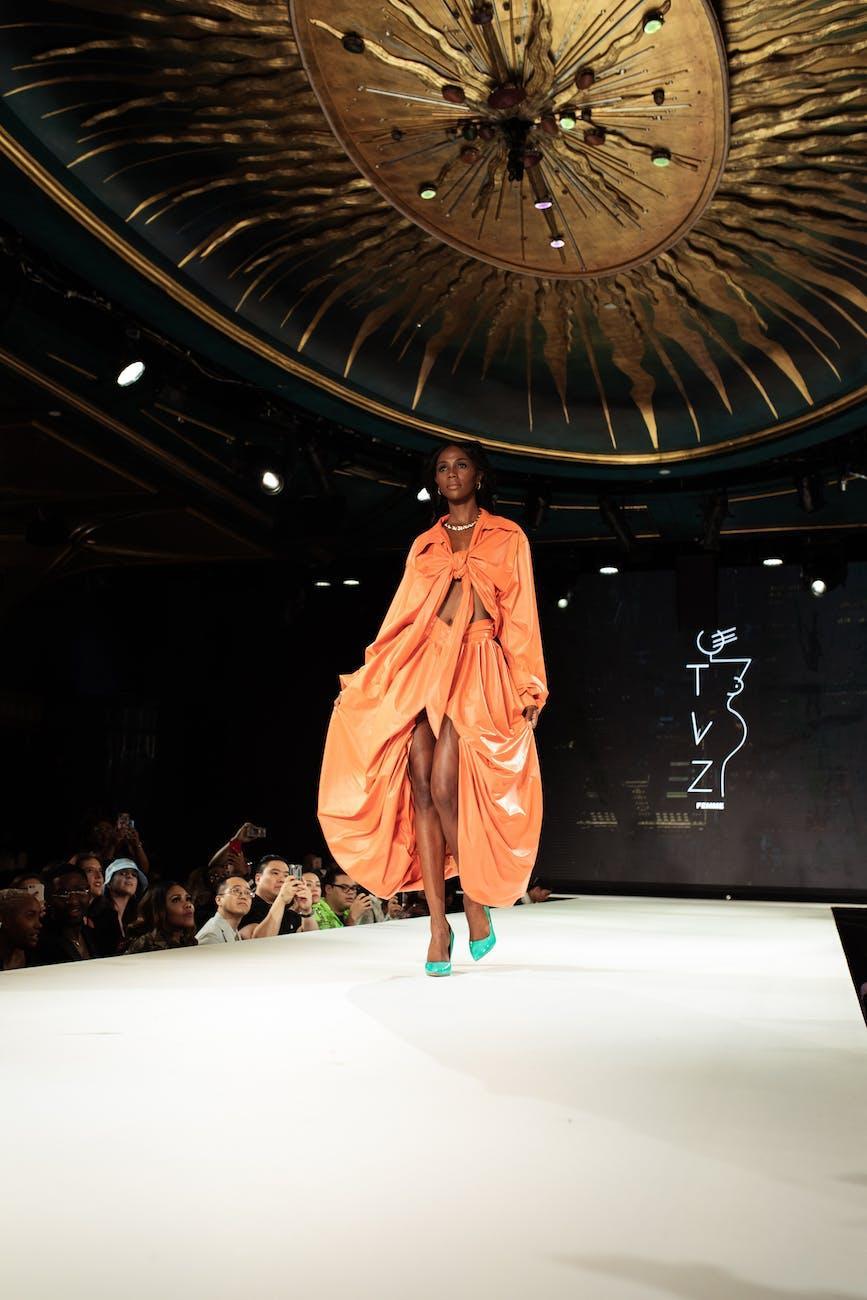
x=481 y=675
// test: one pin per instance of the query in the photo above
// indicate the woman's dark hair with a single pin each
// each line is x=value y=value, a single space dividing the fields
x=152 y=914
x=474 y=451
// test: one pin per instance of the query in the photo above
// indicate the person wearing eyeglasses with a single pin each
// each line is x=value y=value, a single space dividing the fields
x=341 y=903
x=64 y=935
x=234 y=900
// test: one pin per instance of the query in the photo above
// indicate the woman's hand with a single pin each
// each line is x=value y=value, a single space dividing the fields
x=531 y=713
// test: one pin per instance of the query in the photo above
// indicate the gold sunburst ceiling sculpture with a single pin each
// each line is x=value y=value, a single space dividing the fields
x=667 y=325
x=563 y=139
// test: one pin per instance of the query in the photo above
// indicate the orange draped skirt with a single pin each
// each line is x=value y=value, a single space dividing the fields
x=365 y=798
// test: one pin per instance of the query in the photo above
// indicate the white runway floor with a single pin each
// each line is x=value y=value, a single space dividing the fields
x=628 y=1098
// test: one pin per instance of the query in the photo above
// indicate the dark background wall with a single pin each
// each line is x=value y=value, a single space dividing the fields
x=197 y=699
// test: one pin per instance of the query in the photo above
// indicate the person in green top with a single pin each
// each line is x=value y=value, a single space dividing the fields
x=340 y=904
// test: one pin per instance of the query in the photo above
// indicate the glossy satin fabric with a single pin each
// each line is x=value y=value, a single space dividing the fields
x=481 y=675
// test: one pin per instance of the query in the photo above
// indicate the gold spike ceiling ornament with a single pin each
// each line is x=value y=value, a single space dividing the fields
x=214 y=148
x=559 y=138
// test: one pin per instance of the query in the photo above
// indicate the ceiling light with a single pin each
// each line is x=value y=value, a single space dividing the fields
x=557 y=241
x=351 y=582
x=544 y=202
x=567 y=119
x=423 y=495
x=271 y=482
x=609 y=570
x=563 y=602
x=818 y=587
x=772 y=561
x=131 y=373
x=653 y=21
x=321 y=582
x=427 y=190
x=660 y=157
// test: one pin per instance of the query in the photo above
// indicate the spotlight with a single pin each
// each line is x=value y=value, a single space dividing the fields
x=608 y=570
x=614 y=518
x=427 y=190
x=321 y=582
x=557 y=241
x=423 y=495
x=823 y=569
x=653 y=21
x=351 y=582
x=271 y=482
x=131 y=373
x=811 y=492
x=660 y=157
x=544 y=202
x=563 y=602
x=772 y=561
x=567 y=119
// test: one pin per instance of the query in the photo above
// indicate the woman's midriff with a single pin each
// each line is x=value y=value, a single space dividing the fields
x=449 y=607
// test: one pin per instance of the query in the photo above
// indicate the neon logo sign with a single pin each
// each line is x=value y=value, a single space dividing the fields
x=710 y=780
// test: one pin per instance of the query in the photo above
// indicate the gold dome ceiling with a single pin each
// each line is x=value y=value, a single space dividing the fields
x=190 y=142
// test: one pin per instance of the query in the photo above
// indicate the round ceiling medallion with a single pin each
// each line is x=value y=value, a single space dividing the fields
x=558 y=138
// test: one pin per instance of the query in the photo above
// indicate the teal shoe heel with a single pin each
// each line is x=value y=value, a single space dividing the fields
x=441 y=967
x=480 y=948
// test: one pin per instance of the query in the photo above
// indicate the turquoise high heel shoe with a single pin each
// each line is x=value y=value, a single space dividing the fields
x=441 y=967
x=480 y=948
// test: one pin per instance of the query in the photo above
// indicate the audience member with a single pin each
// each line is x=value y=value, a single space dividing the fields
x=535 y=892
x=113 y=913
x=64 y=936
x=20 y=925
x=31 y=882
x=118 y=839
x=281 y=904
x=166 y=919
x=394 y=909
x=234 y=900
x=92 y=868
x=341 y=903
x=313 y=881
x=232 y=854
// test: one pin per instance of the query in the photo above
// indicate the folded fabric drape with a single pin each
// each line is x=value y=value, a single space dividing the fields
x=479 y=674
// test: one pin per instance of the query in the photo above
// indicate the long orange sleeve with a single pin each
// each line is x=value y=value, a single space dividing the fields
x=519 y=634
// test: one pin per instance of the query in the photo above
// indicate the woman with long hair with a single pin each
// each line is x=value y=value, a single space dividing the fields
x=166 y=919
x=430 y=767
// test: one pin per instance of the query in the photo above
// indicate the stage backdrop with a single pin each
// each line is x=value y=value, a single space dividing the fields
x=735 y=758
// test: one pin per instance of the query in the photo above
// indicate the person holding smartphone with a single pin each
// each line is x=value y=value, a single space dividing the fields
x=281 y=903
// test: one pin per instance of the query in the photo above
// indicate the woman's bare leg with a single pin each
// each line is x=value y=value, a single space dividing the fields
x=429 y=837
x=444 y=788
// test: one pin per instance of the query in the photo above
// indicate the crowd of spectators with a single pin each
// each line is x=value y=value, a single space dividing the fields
x=106 y=901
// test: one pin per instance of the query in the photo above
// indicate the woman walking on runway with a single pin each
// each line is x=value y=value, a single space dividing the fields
x=430 y=767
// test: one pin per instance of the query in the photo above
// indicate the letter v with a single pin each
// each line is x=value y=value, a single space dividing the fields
x=699 y=736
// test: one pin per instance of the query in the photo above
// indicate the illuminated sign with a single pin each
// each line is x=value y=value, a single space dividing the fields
x=716 y=675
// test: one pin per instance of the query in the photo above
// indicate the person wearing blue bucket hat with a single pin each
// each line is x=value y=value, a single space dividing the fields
x=112 y=914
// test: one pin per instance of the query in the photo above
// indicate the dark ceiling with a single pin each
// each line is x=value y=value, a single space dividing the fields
x=172 y=189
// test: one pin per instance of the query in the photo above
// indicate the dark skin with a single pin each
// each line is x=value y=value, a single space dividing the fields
x=69 y=899
x=19 y=933
x=433 y=760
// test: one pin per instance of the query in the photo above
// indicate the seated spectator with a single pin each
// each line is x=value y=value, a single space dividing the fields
x=232 y=854
x=234 y=900
x=313 y=881
x=535 y=892
x=341 y=904
x=166 y=919
x=113 y=914
x=20 y=924
x=312 y=862
x=64 y=935
x=281 y=904
x=31 y=882
x=92 y=868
